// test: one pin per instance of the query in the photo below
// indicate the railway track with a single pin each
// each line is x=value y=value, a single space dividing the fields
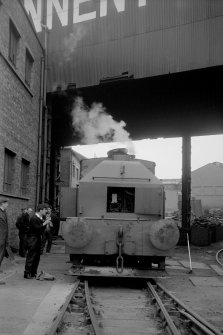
x=135 y=308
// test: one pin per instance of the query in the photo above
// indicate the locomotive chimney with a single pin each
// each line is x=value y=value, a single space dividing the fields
x=119 y=154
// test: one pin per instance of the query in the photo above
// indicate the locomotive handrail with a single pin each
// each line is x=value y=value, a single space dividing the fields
x=118 y=178
x=115 y=219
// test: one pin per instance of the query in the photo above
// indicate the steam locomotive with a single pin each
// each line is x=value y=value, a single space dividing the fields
x=121 y=210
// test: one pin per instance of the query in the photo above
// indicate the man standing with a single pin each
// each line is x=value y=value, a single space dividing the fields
x=48 y=232
x=36 y=229
x=22 y=224
x=3 y=229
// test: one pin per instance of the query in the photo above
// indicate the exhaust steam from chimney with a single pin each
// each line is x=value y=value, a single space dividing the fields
x=94 y=125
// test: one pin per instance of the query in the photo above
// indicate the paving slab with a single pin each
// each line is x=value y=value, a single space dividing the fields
x=48 y=309
x=172 y=262
x=206 y=281
x=175 y=267
x=195 y=265
x=217 y=269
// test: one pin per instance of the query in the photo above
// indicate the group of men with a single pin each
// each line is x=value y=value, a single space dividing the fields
x=34 y=232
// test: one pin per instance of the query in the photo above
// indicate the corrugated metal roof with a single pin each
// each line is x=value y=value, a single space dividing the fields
x=165 y=36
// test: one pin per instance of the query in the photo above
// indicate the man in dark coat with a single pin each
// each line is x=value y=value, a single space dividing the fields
x=36 y=228
x=3 y=229
x=22 y=224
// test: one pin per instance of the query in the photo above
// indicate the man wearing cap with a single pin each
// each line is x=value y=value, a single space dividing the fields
x=3 y=229
x=36 y=229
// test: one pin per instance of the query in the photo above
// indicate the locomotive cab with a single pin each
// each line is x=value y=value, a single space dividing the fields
x=121 y=216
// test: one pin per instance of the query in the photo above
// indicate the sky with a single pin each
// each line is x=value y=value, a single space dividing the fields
x=166 y=153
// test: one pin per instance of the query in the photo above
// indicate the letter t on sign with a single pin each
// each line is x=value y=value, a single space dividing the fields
x=77 y=17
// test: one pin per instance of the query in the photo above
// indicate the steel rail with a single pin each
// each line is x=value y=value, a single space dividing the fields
x=170 y=324
x=57 y=321
x=94 y=321
x=197 y=323
x=190 y=311
x=217 y=256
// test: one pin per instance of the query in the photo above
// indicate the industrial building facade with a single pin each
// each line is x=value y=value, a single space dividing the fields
x=206 y=190
x=21 y=57
x=207 y=185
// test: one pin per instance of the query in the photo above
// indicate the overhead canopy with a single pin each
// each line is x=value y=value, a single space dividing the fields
x=166 y=106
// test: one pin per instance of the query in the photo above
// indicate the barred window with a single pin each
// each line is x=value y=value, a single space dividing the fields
x=28 y=67
x=9 y=171
x=121 y=199
x=13 y=43
x=24 y=176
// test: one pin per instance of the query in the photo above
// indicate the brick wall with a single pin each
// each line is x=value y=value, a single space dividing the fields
x=19 y=108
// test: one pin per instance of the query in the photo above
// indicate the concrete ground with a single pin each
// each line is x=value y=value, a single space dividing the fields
x=29 y=306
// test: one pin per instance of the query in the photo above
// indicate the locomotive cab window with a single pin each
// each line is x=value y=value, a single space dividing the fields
x=121 y=199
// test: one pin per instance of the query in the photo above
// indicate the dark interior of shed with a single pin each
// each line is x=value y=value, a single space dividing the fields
x=164 y=106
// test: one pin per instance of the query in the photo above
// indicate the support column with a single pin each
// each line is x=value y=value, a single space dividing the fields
x=186 y=187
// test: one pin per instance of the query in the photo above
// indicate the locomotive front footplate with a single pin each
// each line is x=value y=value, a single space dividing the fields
x=96 y=271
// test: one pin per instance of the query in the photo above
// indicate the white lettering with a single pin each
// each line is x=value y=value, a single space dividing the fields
x=61 y=12
x=84 y=17
x=142 y=3
x=119 y=4
x=35 y=13
x=35 y=10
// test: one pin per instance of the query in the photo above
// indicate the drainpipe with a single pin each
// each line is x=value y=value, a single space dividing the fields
x=77 y=200
x=45 y=114
x=40 y=131
x=44 y=153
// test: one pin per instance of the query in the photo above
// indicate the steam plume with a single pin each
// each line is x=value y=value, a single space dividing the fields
x=70 y=42
x=95 y=125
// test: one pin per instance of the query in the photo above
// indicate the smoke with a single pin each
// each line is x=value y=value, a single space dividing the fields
x=95 y=125
x=70 y=42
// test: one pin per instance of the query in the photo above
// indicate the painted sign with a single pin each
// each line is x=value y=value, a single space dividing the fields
x=91 y=40
x=62 y=8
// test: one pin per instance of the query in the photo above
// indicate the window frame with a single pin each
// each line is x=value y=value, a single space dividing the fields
x=9 y=171
x=123 y=200
x=24 y=181
x=14 y=37
x=29 y=61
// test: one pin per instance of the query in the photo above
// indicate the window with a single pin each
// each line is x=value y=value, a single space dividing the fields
x=24 y=176
x=121 y=199
x=9 y=171
x=28 y=67
x=13 y=43
x=73 y=170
